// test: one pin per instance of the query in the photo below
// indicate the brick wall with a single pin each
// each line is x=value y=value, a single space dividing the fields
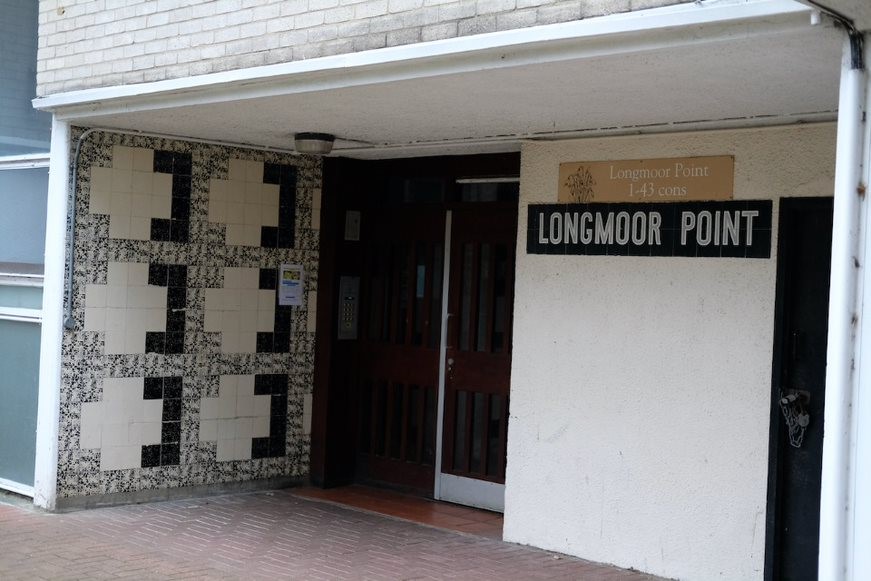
x=98 y=43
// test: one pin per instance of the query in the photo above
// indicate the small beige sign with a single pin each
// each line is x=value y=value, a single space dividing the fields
x=678 y=179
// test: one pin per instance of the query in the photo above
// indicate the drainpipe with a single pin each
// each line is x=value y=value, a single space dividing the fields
x=845 y=324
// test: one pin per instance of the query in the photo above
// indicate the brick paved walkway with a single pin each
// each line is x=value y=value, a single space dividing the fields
x=265 y=535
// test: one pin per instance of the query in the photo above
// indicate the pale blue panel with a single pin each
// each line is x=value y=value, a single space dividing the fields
x=23 y=194
x=21 y=297
x=19 y=381
x=22 y=128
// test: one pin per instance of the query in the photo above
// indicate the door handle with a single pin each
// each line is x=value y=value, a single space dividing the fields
x=450 y=367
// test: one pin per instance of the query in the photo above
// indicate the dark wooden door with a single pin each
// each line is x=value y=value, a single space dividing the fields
x=800 y=372
x=400 y=332
x=479 y=342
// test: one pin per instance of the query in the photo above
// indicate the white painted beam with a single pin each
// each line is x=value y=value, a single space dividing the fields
x=50 y=361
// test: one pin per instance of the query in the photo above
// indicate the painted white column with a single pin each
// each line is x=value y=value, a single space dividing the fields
x=846 y=318
x=859 y=511
x=45 y=474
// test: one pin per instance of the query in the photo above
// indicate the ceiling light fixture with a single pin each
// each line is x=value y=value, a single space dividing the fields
x=314 y=143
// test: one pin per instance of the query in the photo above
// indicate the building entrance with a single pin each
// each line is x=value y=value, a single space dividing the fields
x=798 y=398
x=424 y=357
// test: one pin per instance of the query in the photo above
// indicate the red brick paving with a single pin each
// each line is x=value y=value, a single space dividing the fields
x=264 y=535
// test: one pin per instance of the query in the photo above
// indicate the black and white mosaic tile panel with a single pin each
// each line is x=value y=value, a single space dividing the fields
x=182 y=369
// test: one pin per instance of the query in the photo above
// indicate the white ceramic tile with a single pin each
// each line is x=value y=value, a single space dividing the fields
x=95 y=295
x=116 y=433
x=235 y=211
x=269 y=216
x=122 y=157
x=270 y=195
x=116 y=319
x=262 y=405
x=134 y=341
x=142 y=182
x=217 y=211
x=212 y=321
x=214 y=299
x=242 y=449
x=254 y=171
x=230 y=342
x=252 y=215
x=266 y=300
x=122 y=182
x=137 y=274
x=140 y=228
x=247 y=343
x=91 y=426
x=248 y=321
x=253 y=193
x=156 y=320
x=245 y=385
x=120 y=457
x=260 y=426
x=237 y=170
x=226 y=428
x=225 y=450
x=116 y=274
x=208 y=410
x=226 y=409
x=143 y=159
x=116 y=297
x=265 y=321
x=252 y=235
x=232 y=300
x=162 y=185
x=244 y=428
x=208 y=430
x=140 y=205
x=232 y=278
x=119 y=226
x=95 y=319
x=230 y=321
x=152 y=410
x=249 y=278
x=217 y=190
x=114 y=343
x=245 y=406
x=149 y=432
x=161 y=205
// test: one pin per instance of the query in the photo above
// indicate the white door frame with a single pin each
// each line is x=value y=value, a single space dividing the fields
x=449 y=487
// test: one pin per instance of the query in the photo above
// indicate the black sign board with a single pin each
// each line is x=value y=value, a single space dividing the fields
x=734 y=229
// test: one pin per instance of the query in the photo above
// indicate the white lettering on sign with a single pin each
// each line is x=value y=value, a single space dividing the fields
x=718 y=228
x=605 y=228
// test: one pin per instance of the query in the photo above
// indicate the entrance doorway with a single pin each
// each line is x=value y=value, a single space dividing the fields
x=798 y=396
x=423 y=362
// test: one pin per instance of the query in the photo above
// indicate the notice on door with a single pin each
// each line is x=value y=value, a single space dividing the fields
x=737 y=229
x=290 y=285
x=647 y=180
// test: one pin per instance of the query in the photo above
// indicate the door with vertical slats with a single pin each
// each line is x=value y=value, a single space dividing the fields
x=401 y=296
x=478 y=350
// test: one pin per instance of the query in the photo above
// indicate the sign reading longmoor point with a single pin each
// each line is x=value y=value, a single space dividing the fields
x=647 y=180
x=735 y=229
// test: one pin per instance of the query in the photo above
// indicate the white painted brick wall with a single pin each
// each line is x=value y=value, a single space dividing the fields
x=98 y=43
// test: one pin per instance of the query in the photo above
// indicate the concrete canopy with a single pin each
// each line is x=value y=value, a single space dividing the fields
x=683 y=67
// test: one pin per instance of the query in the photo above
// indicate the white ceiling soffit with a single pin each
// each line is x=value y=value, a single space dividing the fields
x=858 y=11
x=700 y=65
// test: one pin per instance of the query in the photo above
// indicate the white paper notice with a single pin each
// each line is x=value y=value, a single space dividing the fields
x=290 y=285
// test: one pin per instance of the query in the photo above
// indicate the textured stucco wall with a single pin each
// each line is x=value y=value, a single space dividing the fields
x=641 y=386
x=98 y=43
